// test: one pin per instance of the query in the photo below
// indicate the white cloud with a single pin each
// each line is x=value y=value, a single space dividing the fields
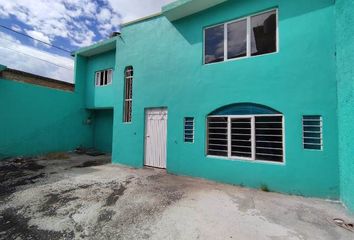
x=26 y=58
x=16 y=28
x=134 y=9
x=81 y=22
x=53 y=18
x=104 y=15
x=38 y=35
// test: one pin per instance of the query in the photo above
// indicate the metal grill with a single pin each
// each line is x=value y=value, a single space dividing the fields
x=128 y=94
x=189 y=129
x=312 y=132
x=269 y=138
x=241 y=137
x=251 y=137
x=218 y=136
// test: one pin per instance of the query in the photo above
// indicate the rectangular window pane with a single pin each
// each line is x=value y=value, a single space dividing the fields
x=110 y=73
x=312 y=132
x=214 y=44
x=269 y=138
x=237 y=39
x=97 y=80
x=217 y=136
x=128 y=94
x=189 y=129
x=264 y=33
x=241 y=137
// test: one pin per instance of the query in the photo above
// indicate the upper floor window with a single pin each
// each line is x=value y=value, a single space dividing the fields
x=104 y=77
x=250 y=36
x=128 y=94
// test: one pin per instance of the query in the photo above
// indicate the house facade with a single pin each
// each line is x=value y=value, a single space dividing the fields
x=253 y=93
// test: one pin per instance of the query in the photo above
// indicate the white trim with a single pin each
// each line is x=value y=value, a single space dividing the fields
x=229 y=150
x=253 y=138
x=249 y=40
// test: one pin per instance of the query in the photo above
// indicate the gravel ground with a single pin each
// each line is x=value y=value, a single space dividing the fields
x=84 y=197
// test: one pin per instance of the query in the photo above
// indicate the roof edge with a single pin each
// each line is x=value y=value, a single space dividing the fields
x=141 y=19
x=100 y=44
x=184 y=8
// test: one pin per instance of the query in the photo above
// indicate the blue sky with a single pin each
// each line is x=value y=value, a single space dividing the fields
x=69 y=24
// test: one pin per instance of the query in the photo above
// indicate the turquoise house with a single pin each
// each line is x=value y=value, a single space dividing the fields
x=247 y=92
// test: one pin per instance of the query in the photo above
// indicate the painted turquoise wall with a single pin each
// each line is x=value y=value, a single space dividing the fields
x=103 y=129
x=300 y=79
x=345 y=73
x=100 y=96
x=37 y=120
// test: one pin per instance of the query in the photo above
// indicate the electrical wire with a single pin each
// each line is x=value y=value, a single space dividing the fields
x=36 y=58
x=23 y=34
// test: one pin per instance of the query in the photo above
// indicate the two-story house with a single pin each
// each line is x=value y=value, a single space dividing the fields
x=238 y=91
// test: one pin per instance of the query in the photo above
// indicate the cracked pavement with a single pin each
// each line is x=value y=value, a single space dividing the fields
x=85 y=197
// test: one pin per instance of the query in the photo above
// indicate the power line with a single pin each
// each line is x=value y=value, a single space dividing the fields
x=23 y=34
x=36 y=58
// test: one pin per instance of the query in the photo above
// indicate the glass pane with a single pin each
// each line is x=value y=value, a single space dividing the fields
x=214 y=44
x=237 y=39
x=263 y=33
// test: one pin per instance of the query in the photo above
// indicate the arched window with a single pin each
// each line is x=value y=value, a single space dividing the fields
x=246 y=131
x=128 y=94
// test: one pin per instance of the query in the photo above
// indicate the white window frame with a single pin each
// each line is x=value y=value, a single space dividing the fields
x=249 y=40
x=109 y=81
x=253 y=138
x=321 y=133
x=184 y=126
x=128 y=113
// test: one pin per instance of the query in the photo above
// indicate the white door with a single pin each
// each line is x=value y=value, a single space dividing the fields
x=155 y=137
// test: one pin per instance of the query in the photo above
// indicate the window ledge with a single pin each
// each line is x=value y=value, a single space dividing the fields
x=237 y=159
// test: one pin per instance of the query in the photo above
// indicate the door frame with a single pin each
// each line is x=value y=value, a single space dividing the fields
x=144 y=135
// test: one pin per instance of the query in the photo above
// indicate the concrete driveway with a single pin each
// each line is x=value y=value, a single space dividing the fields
x=87 y=198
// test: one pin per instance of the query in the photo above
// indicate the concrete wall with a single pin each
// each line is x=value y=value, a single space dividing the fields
x=36 y=119
x=99 y=96
x=345 y=74
x=300 y=79
x=103 y=130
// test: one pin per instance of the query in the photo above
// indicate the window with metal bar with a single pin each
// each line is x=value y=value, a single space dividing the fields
x=104 y=77
x=218 y=136
x=128 y=94
x=312 y=132
x=189 y=129
x=252 y=137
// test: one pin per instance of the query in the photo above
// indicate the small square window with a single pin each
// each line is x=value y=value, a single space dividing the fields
x=104 y=77
x=312 y=132
x=189 y=129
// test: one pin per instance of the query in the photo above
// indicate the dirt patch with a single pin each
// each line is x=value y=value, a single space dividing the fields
x=18 y=172
x=92 y=163
x=54 y=202
x=56 y=155
x=15 y=226
x=114 y=196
